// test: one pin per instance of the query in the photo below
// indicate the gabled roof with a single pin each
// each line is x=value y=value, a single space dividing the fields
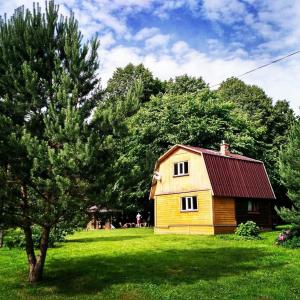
x=231 y=175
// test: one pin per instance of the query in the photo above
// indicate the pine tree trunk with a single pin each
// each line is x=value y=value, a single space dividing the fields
x=30 y=251
x=36 y=266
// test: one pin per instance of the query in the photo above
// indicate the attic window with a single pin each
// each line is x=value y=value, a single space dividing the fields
x=181 y=168
x=189 y=203
x=253 y=206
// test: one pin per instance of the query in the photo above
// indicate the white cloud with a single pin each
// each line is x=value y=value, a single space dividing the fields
x=89 y=27
x=158 y=40
x=110 y=21
x=165 y=7
x=226 y=11
x=136 y=5
x=275 y=24
x=180 y=48
x=146 y=32
x=118 y=56
x=163 y=10
x=107 y=40
x=277 y=80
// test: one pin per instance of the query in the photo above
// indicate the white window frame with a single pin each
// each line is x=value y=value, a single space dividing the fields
x=187 y=199
x=181 y=163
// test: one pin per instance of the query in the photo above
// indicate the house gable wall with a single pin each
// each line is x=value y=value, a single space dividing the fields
x=196 y=180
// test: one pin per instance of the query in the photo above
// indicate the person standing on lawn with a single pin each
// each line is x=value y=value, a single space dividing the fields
x=138 y=220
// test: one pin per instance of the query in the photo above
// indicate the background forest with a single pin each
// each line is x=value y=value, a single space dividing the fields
x=142 y=117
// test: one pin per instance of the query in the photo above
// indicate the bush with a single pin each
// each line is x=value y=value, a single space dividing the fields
x=289 y=238
x=15 y=238
x=248 y=230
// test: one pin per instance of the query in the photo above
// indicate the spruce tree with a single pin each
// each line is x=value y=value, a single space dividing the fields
x=48 y=88
x=289 y=168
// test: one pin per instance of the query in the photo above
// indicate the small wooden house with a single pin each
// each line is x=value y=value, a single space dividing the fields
x=201 y=191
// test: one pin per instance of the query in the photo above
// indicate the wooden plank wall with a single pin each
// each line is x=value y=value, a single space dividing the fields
x=224 y=214
x=263 y=218
x=170 y=218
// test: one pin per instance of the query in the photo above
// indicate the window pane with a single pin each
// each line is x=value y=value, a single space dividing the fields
x=189 y=199
x=183 y=204
x=195 y=202
x=186 y=167
x=181 y=168
x=175 y=169
x=249 y=205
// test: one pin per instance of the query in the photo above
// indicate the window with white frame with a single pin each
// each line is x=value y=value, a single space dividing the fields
x=181 y=168
x=189 y=203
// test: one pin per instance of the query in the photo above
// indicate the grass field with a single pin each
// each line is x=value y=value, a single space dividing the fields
x=136 y=264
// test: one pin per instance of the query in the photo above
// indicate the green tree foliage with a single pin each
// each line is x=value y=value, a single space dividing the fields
x=123 y=79
x=189 y=114
x=289 y=168
x=48 y=87
x=199 y=120
x=275 y=120
x=249 y=98
x=110 y=116
x=185 y=84
x=110 y=121
x=281 y=119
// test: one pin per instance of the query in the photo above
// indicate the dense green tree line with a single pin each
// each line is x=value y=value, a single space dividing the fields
x=186 y=111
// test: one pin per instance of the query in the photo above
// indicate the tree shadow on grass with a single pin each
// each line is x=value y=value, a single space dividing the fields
x=105 y=239
x=91 y=274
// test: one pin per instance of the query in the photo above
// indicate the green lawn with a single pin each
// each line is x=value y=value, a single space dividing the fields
x=136 y=264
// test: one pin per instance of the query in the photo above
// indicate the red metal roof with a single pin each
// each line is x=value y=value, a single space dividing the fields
x=235 y=175
x=230 y=175
x=238 y=177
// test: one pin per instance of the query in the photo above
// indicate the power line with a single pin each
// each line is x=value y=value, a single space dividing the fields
x=263 y=66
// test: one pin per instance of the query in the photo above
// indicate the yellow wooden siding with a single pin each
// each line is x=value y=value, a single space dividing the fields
x=224 y=214
x=196 y=180
x=169 y=218
x=197 y=229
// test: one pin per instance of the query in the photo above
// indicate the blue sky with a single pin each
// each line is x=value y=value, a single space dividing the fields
x=214 y=39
